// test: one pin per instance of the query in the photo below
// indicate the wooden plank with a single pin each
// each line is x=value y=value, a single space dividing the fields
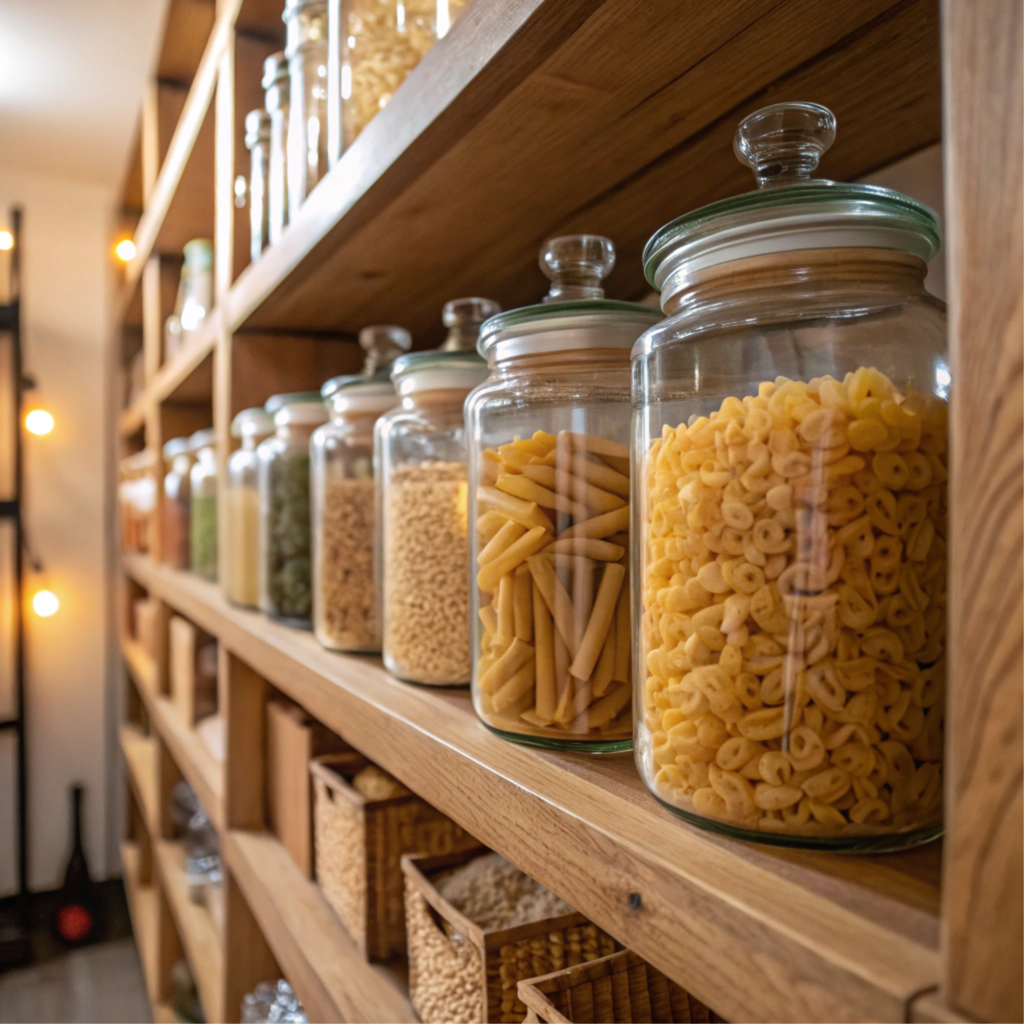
x=755 y=932
x=140 y=752
x=983 y=922
x=186 y=30
x=248 y=957
x=245 y=693
x=317 y=955
x=142 y=906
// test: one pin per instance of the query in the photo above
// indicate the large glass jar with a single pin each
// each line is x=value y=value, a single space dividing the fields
x=790 y=560
x=242 y=580
x=202 y=527
x=196 y=285
x=257 y=141
x=176 y=503
x=423 y=546
x=276 y=99
x=549 y=500
x=306 y=22
x=285 y=547
x=346 y=617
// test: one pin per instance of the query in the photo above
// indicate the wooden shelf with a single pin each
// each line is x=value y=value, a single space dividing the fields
x=142 y=667
x=140 y=754
x=323 y=964
x=188 y=377
x=133 y=419
x=756 y=932
x=196 y=928
x=142 y=906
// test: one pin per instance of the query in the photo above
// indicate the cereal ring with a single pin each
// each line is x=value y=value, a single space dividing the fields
x=737 y=515
x=880 y=507
x=864 y=434
x=743 y=577
x=707 y=802
x=824 y=687
x=711 y=578
x=869 y=812
x=776 y=798
x=828 y=785
x=806 y=749
x=770 y=537
x=855 y=758
x=736 y=791
x=775 y=768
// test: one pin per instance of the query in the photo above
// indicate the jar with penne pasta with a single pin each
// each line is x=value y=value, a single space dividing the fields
x=789 y=566
x=550 y=507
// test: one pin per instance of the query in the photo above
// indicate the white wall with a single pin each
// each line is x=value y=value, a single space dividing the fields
x=65 y=295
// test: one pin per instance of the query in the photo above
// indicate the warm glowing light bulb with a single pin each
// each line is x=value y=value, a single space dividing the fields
x=39 y=421
x=45 y=604
x=125 y=250
x=6 y=241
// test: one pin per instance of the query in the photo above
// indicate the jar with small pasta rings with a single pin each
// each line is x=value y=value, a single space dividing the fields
x=549 y=510
x=790 y=461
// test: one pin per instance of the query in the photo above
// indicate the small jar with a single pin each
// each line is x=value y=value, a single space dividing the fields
x=257 y=141
x=203 y=504
x=306 y=22
x=276 y=99
x=423 y=546
x=283 y=459
x=790 y=526
x=176 y=503
x=242 y=579
x=197 y=285
x=464 y=318
x=346 y=616
x=549 y=501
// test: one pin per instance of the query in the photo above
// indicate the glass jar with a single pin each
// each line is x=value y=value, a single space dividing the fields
x=346 y=617
x=276 y=99
x=790 y=454
x=176 y=503
x=549 y=498
x=464 y=318
x=202 y=529
x=423 y=547
x=242 y=579
x=196 y=285
x=283 y=462
x=306 y=50
x=257 y=141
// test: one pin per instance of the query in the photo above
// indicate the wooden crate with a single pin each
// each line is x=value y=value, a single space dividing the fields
x=294 y=738
x=619 y=989
x=460 y=974
x=359 y=844
x=192 y=667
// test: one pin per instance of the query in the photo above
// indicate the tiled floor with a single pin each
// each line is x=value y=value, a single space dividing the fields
x=100 y=984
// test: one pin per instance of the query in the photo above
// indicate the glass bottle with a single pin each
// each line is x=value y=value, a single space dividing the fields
x=242 y=581
x=197 y=285
x=283 y=469
x=422 y=543
x=549 y=501
x=176 y=503
x=790 y=523
x=276 y=99
x=306 y=22
x=202 y=527
x=346 y=617
x=257 y=141
x=464 y=318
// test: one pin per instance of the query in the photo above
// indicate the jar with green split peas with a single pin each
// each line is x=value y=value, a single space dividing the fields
x=283 y=474
x=203 y=504
x=306 y=50
x=242 y=579
x=346 y=616
x=789 y=526
x=276 y=100
x=176 y=503
x=549 y=492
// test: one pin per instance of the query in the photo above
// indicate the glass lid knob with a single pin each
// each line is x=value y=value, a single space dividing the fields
x=783 y=143
x=463 y=318
x=383 y=344
x=576 y=265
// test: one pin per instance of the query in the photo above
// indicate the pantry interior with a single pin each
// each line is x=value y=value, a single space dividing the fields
x=528 y=120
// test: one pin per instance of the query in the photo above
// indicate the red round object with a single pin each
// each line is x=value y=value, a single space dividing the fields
x=74 y=923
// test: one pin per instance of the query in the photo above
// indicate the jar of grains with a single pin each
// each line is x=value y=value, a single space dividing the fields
x=549 y=500
x=176 y=503
x=242 y=578
x=790 y=528
x=283 y=474
x=346 y=614
x=202 y=527
x=306 y=22
x=423 y=547
x=276 y=100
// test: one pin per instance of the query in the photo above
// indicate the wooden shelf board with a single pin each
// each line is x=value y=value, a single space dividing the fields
x=142 y=906
x=188 y=377
x=186 y=30
x=140 y=754
x=133 y=419
x=754 y=931
x=142 y=667
x=196 y=928
x=319 y=958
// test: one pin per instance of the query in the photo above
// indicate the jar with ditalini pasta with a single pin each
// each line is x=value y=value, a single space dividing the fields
x=549 y=509
x=790 y=454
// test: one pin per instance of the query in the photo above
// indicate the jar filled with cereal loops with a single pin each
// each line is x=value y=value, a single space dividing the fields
x=286 y=591
x=550 y=505
x=276 y=100
x=346 y=616
x=790 y=529
x=423 y=545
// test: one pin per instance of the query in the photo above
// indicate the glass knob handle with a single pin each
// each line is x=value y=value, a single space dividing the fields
x=783 y=143
x=383 y=344
x=576 y=265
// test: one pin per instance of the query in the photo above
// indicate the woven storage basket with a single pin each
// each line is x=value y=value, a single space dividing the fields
x=358 y=845
x=619 y=989
x=460 y=974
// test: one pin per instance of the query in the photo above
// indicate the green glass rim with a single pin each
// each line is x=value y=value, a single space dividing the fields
x=414 y=362
x=276 y=402
x=351 y=381
x=256 y=415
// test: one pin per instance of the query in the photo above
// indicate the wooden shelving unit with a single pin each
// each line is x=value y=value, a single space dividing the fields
x=534 y=117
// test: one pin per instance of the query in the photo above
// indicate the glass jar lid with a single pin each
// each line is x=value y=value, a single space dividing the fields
x=199 y=255
x=306 y=24
x=434 y=371
x=257 y=127
x=574 y=314
x=464 y=318
x=296 y=407
x=202 y=439
x=176 y=446
x=791 y=210
x=275 y=70
x=253 y=422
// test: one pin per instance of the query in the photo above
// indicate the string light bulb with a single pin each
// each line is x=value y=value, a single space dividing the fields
x=39 y=422
x=6 y=241
x=45 y=603
x=125 y=250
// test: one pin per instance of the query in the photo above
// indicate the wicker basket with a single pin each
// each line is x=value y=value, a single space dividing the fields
x=619 y=989
x=358 y=845
x=460 y=974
